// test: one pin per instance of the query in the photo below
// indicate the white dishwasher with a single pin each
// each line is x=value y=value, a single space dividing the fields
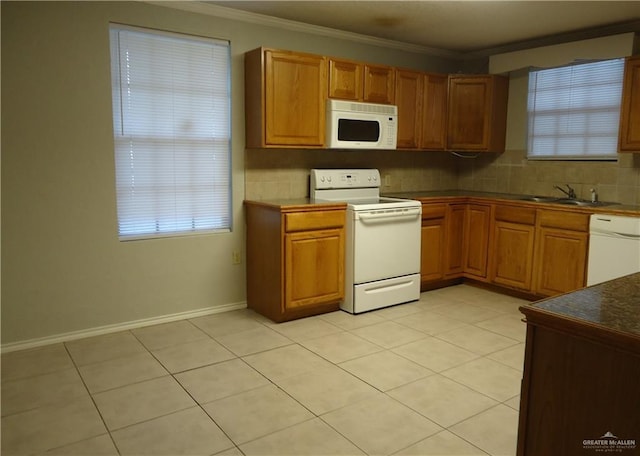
x=614 y=247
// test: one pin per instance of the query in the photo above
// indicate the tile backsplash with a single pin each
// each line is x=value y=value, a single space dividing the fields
x=284 y=173
x=511 y=172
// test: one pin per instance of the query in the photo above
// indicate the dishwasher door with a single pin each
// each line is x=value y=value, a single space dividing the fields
x=614 y=247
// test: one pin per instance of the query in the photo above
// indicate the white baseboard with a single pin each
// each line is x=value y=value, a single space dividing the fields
x=65 y=337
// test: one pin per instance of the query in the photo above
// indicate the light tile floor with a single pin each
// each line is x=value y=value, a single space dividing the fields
x=437 y=376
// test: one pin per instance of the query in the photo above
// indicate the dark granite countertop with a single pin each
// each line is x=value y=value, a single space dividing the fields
x=612 y=306
x=613 y=208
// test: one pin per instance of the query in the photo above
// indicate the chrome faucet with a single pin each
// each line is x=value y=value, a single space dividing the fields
x=570 y=192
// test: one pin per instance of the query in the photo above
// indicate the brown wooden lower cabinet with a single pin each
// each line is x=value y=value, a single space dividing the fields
x=314 y=268
x=520 y=247
x=511 y=256
x=455 y=240
x=477 y=230
x=295 y=259
x=560 y=263
x=433 y=242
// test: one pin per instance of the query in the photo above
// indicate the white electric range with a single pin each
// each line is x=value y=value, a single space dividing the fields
x=382 y=239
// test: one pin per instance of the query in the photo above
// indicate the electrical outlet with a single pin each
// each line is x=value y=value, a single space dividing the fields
x=387 y=180
x=235 y=257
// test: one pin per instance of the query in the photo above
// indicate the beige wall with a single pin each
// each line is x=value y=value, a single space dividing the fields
x=63 y=268
x=511 y=172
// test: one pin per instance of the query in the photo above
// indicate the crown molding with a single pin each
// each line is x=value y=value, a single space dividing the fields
x=562 y=38
x=286 y=24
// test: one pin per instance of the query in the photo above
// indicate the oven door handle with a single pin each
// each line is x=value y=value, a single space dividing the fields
x=393 y=215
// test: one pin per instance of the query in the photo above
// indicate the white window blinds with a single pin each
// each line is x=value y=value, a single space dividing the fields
x=171 y=120
x=574 y=111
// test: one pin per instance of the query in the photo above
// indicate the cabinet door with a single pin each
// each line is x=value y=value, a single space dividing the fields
x=477 y=113
x=468 y=120
x=432 y=243
x=434 y=112
x=432 y=250
x=477 y=220
x=345 y=79
x=409 y=101
x=314 y=268
x=512 y=254
x=379 y=83
x=561 y=258
x=629 y=136
x=455 y=247
x=295 y=94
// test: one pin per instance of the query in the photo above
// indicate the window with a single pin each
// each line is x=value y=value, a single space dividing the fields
x=171 y=122
x=574 y=111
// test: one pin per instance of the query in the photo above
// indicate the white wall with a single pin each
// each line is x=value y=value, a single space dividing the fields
x=63 y=268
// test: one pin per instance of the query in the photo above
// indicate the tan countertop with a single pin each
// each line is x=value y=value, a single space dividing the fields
x=297 y=204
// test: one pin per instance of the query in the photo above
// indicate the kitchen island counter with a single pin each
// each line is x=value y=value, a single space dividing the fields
x=581 y=371
x=608 y=310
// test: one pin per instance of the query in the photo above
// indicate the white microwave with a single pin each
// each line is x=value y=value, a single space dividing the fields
x=356 y=125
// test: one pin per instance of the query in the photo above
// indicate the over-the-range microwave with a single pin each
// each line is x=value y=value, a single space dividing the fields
x=357 y=125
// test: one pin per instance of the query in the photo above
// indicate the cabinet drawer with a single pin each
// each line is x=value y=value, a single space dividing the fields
x=314 y=220
x=523 y=215
x=564 y=219
x=433 y=211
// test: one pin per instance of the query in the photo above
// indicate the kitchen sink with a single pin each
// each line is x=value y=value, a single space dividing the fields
x=540 y=199
x=565 y=201
x=577 y=202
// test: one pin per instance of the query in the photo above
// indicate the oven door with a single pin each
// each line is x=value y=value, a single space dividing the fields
x=386 y=243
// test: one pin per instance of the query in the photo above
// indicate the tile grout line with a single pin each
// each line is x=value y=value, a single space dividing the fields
x=332 y=363
x=104 y=423
x=173 y=376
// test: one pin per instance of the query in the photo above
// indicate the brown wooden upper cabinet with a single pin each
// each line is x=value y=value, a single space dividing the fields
x=434 y=112
x=477 y=113
x=358 y=81
x=286 y=93
x=379 y=82
x=629 y=138
x=409 y=89
x=346 y=79
x=285 y=96
x=451 y=112
x=422 y=106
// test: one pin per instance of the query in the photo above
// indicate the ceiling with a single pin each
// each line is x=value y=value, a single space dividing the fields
x=473 y=28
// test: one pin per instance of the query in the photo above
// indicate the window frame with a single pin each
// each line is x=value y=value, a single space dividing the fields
x=192 y=151
x=573 y=113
